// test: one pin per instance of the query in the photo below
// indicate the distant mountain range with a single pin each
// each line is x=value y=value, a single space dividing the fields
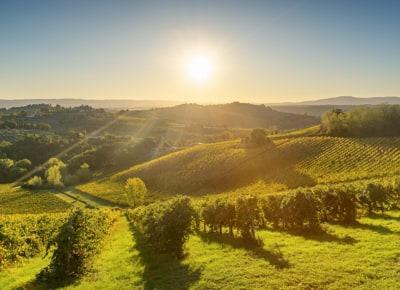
x=343 y=101
x=140 y=104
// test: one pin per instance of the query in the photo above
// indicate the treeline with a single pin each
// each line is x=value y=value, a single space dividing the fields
x=10 y=170
x=15 y=124
x=167 y=225
x=16 y=159
x=382 y=120
x=55 y=174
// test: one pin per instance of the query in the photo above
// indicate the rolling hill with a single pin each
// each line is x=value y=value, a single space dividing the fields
x=236 y=114
x=289 y=163
x=345 y=101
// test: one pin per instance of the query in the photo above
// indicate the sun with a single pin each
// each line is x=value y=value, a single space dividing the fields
x=199 y=68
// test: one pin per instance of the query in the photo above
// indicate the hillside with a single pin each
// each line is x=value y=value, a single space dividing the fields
x=344 y=101
x=104 y=104
x=312 y=110
x=291 y=162
x=236 y=114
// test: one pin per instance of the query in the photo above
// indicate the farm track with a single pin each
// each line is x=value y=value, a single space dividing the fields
x=82 y=199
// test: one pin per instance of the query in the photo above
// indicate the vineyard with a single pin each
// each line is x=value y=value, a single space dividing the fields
x=19 y=201
x=228 y=167
x=265 y=214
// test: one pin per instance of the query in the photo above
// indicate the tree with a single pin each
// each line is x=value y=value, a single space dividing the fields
x=34 y=182
x=53 y=173
x=83 y=173
x=135 y=190
x=5 y=167
x=259 y=137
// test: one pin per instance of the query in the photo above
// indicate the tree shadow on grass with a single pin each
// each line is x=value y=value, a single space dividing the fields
x=321 y=236
x=273 y=256
x=374 y=228
x=384 y=216
x=163 y=271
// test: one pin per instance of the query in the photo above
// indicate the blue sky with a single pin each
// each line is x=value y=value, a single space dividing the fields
x=261 y=51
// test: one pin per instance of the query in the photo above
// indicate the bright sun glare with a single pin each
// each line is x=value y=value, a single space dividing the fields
x=199 y=68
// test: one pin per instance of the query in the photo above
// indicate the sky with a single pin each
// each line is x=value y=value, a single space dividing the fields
x=255 y=51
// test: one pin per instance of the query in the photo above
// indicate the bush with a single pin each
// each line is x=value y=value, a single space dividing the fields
x=271 y=208
x=339 y=205
x=24 y=236
x=81 y=175
x=248 y=216
x=375 y=197
x=76 y=244
x=300 y=211
x=395 y=196
x=165 y=225
x=259 y=137
x=135 y=191
x=34 y=182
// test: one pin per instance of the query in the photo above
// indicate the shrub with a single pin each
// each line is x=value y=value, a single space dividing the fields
x=300 y=211
x=271 y=208
x=76 y=244
x=375 y=197
x=81 y=175
x=395 y=196
x=248 y=216
x=338 y=205
x=209 y=215
x=259 y=137
x=34 y=182
x=165 y=225
x=24 y=236
x=135 y=191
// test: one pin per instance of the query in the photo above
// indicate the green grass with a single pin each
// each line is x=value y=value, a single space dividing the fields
x=106 y=189
x=117 y=266
x=21 y=201
x=23 y=273
x=361 y=256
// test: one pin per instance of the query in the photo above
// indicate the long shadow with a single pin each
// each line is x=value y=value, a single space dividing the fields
x=163 y=271
x=96 y=199
x=273 y=256
x=321 y=236
x=374 y=228
x=384 y=216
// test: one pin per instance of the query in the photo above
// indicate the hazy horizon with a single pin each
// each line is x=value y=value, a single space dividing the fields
x=187 y=51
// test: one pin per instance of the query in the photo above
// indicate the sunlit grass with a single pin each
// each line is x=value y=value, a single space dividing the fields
x=18 y=200
x=361 y=256
x=22 y=273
